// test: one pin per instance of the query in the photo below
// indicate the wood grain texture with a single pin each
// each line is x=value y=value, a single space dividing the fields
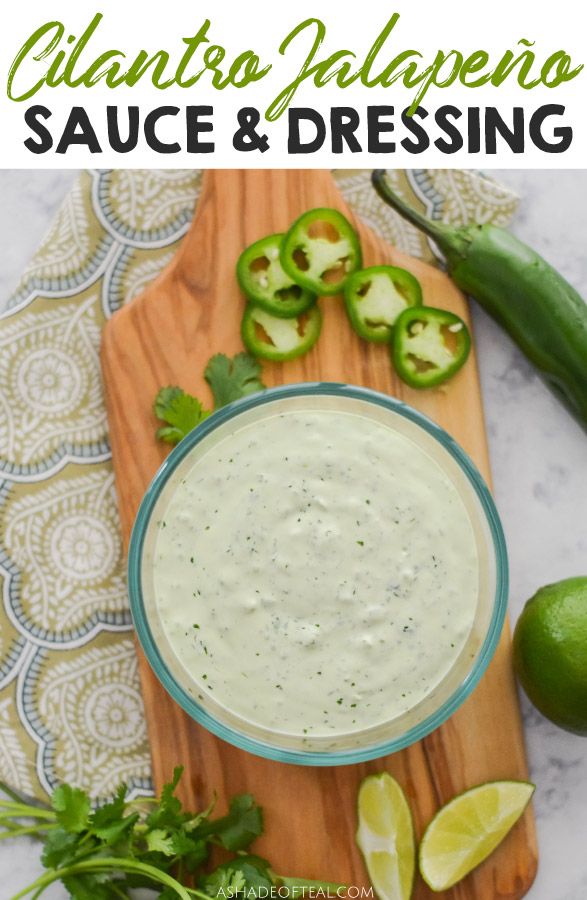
x=166 y=336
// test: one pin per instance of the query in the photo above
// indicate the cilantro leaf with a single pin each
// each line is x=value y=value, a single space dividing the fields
x=192 y=851
x=108 y=822
x=248 y=876
x=164 y=399
x=171 y=833
x=169 y=814
x=180 y=410
x=110 y=812
x=239 y=827
x=60 y=848
x=72 y=807
x=92 y=887
x=195 y=857
x=160 y=841
x=168 y=798
x=226 y=882
x=109 y=853
x=113 y=833
x=195 y=820
x=231 y=379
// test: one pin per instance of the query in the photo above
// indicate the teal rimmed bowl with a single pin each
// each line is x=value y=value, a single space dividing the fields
x=445 y=697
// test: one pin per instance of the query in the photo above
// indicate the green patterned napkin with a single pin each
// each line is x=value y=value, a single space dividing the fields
x=70 y=701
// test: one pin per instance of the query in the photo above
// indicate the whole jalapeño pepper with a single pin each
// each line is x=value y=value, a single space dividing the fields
x=539 y=309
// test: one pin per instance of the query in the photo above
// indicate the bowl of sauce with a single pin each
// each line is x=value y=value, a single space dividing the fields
x=318 y=574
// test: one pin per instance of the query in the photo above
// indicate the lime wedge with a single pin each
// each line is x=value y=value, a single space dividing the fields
x=465 y=831
x=385 y=837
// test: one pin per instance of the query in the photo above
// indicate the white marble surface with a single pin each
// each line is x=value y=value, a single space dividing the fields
x=539 y=459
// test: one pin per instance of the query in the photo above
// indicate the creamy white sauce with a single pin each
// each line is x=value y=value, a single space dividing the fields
x=316 y=573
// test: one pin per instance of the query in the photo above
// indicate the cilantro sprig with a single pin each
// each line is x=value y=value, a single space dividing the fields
x=229 y=380
x=180 y=411
x=107 y=852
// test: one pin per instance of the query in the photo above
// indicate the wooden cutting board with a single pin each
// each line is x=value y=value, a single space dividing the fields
x=165 y=336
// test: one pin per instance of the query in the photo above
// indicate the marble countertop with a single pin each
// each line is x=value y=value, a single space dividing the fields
x=539 y=461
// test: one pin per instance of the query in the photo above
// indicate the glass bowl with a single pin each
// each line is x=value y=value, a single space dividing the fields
x=443 y=699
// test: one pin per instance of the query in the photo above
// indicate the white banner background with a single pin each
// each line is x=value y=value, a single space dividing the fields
x=261 y=26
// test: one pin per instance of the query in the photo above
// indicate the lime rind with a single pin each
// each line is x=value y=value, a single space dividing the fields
x=465 y=831
x=549 y=652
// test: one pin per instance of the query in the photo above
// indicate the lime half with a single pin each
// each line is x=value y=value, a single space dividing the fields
x=465 y=831
x=385 y=837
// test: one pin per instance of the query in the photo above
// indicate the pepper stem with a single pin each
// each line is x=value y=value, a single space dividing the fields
x=452 y=241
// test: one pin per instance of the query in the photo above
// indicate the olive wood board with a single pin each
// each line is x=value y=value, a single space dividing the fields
x=165 y=336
